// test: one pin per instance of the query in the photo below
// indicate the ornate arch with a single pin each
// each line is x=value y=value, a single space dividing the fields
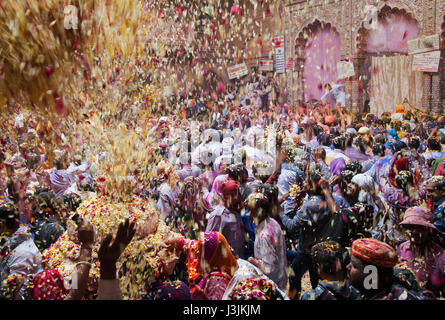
x=306 y=33
x=406 y=7
x=361 y=38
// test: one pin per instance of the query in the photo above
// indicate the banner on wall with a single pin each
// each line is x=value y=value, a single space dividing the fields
x=280 y=60
x=345 y=69
x=426 y=62
x=424 y=44
x=237 y=71
x=290 y=65
x=265 y=65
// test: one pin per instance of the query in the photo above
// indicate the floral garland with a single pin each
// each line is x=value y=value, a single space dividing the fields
x=255 y=288
x=105 y=216
x=142 y=262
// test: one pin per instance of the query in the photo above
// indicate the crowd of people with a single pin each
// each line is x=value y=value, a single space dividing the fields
x=347 y=206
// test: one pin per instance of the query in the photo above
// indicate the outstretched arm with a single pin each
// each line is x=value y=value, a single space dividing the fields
x=85 y=234
x=108 y=255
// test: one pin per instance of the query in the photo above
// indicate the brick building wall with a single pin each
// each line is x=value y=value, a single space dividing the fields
x=347 y=17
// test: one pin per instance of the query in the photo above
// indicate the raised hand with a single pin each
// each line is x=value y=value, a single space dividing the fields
x=86 y=235
x=109 y=253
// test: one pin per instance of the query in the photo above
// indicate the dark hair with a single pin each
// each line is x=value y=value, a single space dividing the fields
x=434 y=145
x=398 y=146
x=317 y=130
x=46 y=202
x=237 y=172
x=403 y=179
x=32 y=161
x=322 y=151
x=8 y=215
x=361 y=144
x=326 y=254
x=339 y=142
x=270 y=191
x=347 y=175
x=354 y=166
x=262 y=203
x=414 y=143
x=439 y=182
x=380 y=138
x=314 y=176
x=379 y=149
x=47 y=234
x=324 y=139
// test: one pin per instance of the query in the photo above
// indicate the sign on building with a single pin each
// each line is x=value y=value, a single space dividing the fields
x=265 y=65
x=424 y=44
x=238 y=71
x=290 y=65
x=427 y=62
x=280 y=60
x=345 y=69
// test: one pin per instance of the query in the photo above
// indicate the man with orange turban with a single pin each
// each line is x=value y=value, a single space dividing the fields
x=372 y=272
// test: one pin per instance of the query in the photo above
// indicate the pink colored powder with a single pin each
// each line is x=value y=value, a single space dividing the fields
x=322 y=55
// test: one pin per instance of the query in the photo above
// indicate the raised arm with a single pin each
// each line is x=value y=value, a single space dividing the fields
x=108 y=255
x=85 y=235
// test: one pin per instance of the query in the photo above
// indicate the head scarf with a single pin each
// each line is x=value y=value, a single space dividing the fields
x=365 y=182
x=230 y=191
x=419 y=216
x=351 y=131
x=192 y=205
x=401 y=164
x=364 y=130
x=48 y=285
x=374 y=252
x=210 y=254
x=338 y=166
x=393 y=133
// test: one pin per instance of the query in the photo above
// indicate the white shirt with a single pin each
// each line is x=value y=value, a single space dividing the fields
x=270 y=249
x=339 y=95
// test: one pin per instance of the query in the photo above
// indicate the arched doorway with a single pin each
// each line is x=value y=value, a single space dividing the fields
x=395 y=28
x=317 y=51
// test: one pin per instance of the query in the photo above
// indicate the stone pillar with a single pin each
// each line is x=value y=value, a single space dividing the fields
x=357 y=90
x=435 y=94
x=426 y=98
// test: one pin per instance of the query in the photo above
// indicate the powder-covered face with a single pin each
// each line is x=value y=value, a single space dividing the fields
x=433 y=193
x=418 y=235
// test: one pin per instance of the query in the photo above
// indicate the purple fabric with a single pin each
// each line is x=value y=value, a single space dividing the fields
x=176 y=290
x=338 y=166
x=210 y=244
x=60 y=181
x=355 y=155
x=188 y=171
x=425 y=267
x=208 y=178
x=230 y=225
